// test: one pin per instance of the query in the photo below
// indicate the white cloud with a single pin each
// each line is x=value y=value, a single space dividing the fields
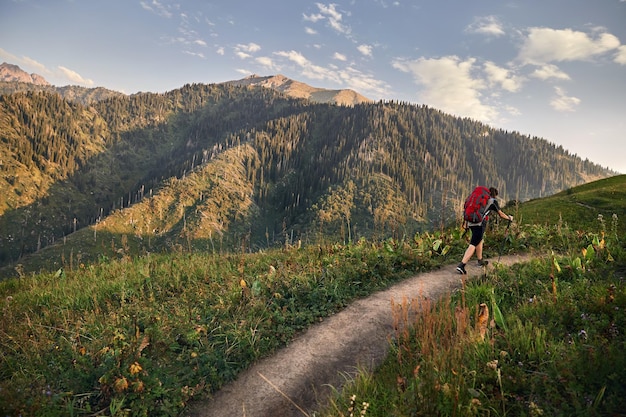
x=545 y=45
x=26 y=63
x=363 y=83
x=294 y=56
x=251 y=47
x=220 y=50
x=549 y=71
x=447 y=84
x=73 y=76
x=198 y=54
x=313 y=17
x=502 y=77
x=30 y=65
x=266 y=62
x=350 y=77
x=562 y=102
x=365 y=49
x=620 y=56
x=339 y=57
x=244 y=71
x=488 y=25
x=156 y=7
x=245 y=51
x=330 y=13
x=310 y=31
x=200 y=42
x=514 y=111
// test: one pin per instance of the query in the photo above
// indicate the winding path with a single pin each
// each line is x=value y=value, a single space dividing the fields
x=294 y=380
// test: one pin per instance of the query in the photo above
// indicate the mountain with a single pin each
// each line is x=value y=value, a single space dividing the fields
x=13 y=79
x=296 y=89
x=13 y=73
x=241 y=167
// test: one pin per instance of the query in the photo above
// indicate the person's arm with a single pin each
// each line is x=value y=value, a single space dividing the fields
x=502 y=214
x=505 y=216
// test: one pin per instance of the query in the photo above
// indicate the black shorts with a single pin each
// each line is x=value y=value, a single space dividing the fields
x=477 y=234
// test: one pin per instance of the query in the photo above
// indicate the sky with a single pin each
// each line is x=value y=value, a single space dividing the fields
x=554 y=69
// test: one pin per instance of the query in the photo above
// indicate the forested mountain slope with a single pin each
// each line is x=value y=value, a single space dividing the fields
x=292 y=169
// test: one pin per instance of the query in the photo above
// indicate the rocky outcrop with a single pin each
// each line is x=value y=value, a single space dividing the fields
x=13 y=73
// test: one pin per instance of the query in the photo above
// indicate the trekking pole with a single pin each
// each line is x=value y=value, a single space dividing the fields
x=504 y=240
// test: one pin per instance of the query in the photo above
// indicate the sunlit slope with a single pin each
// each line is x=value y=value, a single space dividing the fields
x=579 y=207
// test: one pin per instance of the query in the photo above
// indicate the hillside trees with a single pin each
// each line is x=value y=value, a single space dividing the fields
x=394 y=164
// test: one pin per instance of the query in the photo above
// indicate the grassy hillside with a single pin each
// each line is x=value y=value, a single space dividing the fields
x=544 y=338
x=580 y=206
x=145 y=335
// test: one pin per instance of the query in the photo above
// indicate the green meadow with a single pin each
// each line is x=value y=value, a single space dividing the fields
x=145 y=335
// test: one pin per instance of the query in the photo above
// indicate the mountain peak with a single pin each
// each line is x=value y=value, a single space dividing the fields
x=13 y=73
x=296 y=89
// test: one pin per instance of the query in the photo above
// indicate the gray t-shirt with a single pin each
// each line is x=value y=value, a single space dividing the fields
x=492 y=205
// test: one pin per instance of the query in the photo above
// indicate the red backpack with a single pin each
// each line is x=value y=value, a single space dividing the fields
x=476 y=205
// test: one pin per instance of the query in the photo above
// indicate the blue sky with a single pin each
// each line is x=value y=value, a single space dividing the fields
x=554 y=69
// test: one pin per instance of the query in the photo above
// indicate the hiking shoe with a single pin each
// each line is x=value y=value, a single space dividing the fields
x=482 y=263
x=461 y=269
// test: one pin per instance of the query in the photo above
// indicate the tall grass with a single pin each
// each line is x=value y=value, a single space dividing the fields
x=145 y=335
x=543 y=338
x=142 y=336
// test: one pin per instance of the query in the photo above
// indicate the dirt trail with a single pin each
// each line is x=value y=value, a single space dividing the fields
x=296 y=378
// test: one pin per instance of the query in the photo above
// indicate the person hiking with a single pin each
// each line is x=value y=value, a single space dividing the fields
x=478 y=228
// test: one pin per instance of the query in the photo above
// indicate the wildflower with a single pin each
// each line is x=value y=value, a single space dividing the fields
x=582 y=334
x=534 y=409
x=482 y=319
x=138 y=386
x=493 y=364
x=365 y=407
x=351 y=408
x=135 y=368
x=120 y=384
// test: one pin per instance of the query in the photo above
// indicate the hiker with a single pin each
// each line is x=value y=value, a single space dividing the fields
x=478 y=230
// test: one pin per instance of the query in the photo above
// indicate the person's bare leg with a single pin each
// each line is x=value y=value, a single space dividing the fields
x=469 y=252
x=479 y=250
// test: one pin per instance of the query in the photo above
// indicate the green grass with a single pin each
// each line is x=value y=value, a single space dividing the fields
x=553 y=342
x=147 y=334
x=580 y=206
x=144 y=335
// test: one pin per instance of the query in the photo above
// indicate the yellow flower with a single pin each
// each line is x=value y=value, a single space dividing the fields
x=120 y=384
x=138 y=386
x=135 y=368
